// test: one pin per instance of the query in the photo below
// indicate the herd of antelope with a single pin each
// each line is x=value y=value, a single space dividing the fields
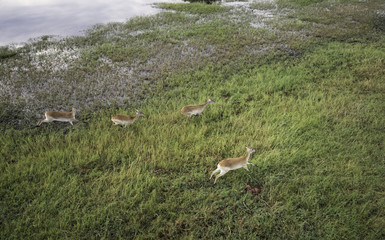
x=223 y=166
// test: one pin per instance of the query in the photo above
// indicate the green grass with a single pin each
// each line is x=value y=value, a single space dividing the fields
x=311 y=104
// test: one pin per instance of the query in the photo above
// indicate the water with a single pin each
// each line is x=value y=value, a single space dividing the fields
x=21 y=20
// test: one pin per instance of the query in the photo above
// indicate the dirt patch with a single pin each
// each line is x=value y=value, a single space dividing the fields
x=255 y=190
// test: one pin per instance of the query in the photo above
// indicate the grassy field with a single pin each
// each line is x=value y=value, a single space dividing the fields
x=301 y=81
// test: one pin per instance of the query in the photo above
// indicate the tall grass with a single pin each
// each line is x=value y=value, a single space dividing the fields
x=313 y=110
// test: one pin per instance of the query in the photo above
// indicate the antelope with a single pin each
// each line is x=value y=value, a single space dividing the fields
x=125 y=119
x=51 y=116
x=191 y=110
x=233 y=163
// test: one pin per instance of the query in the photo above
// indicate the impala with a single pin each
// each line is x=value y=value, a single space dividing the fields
x=233 y=163
x=191 y=110
x=125 y=119
x=51 y=116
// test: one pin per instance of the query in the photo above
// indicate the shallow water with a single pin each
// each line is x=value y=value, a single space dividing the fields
x=21 y=20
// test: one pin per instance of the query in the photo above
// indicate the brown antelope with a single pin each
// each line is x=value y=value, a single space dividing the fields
x=51 y=116
x=195 y=109
x=233 y=163
x=125 y=119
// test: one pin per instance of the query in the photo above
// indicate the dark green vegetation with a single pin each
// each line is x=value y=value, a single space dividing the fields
x=204 y=1
x=303 y=84
x=6 y=52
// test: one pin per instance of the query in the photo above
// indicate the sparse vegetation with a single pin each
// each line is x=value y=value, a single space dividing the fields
x=299 y=81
